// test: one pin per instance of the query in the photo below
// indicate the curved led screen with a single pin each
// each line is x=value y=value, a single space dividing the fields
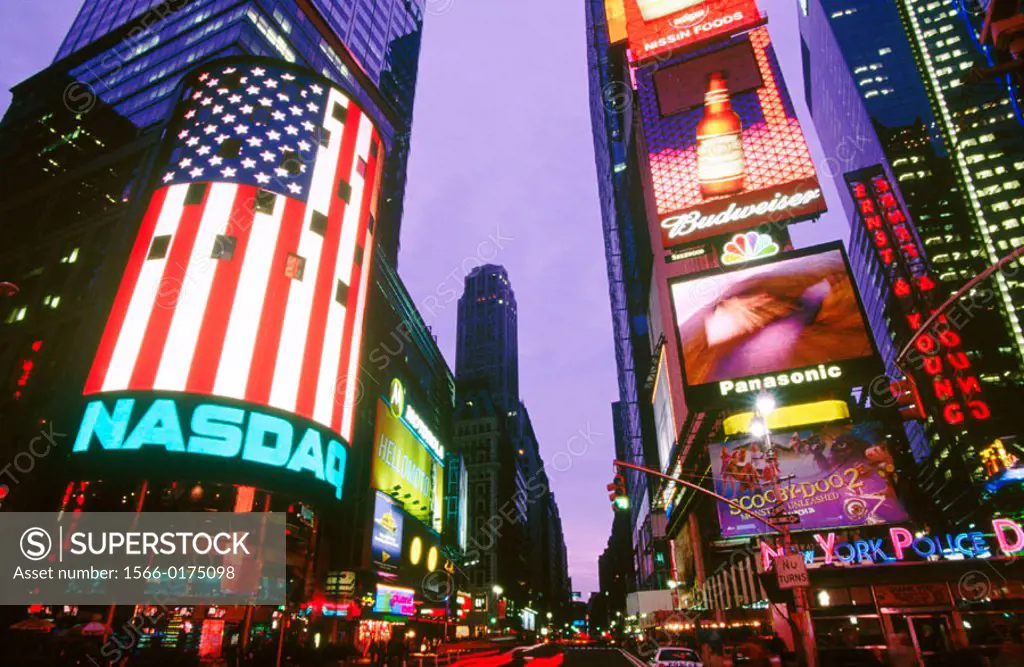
x=248 y=278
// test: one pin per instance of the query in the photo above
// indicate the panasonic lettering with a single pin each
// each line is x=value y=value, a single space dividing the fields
x=820 y=373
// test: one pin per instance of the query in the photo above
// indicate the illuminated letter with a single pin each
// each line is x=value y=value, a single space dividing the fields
x=309 y=455
x=959 y=360
x=725 y=387
x=1000 y=526
x=979 y=409
x=949 y=338
x=257 y=451
x=216 y=431
x=835 y=371
x=109 y=428
x=943 y=389
x=159 y=426
x=768 y=554
x=969 y=385
x=335 y=469
x=953 y=414
x=932 y=365
x=827 y=545
x=901 y=538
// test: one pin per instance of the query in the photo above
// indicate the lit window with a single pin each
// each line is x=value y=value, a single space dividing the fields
x=294 y=266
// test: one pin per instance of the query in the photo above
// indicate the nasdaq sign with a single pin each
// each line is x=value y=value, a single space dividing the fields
x=207 y=429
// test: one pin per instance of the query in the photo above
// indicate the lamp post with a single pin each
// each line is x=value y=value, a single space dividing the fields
x=759 y=428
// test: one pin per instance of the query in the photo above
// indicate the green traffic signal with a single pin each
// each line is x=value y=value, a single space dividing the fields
x=622 y=503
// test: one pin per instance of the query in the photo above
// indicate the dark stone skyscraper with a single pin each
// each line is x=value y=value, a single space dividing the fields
x=488 y=345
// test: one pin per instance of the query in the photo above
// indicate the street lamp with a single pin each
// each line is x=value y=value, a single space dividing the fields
x=498 y=590
x=765 y=404
x=550 y=615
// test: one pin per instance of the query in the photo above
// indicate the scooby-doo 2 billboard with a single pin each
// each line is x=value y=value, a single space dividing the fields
x=836 y=476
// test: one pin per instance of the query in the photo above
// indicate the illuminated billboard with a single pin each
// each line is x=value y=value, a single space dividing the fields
x=404 y=469
x=657 y=27
x=386 y=533
x=248 y=277
x=784 y=325
x=615 y=15
x=939 y=360
x=394 y=600
x=725 y=149
x=836 y=476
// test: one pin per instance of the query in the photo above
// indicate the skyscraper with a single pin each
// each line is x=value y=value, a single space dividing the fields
x=899 y=95
x=488 y=339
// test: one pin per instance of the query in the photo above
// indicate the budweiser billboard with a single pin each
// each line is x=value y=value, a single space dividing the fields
x=725 y=149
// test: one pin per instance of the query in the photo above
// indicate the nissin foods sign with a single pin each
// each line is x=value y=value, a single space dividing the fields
x=169 y=431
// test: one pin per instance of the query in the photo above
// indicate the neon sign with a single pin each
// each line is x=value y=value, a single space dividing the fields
x=944 y=364
x=902 y=544
x=400 y=408
x=213 y=430
x=746 y=247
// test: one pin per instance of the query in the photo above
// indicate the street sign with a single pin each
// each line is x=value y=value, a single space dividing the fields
x=786 y=519
x=791 y=572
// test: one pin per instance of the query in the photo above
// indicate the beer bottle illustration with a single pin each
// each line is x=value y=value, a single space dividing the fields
x=656 y=9
x=720 y=165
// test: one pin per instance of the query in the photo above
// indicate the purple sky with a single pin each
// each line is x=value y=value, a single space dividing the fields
x=502 y=152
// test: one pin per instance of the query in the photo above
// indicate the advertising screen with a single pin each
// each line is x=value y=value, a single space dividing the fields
x=404 y=469
x=248 y=277
x=394 y=600
x=386 y=537
x=836 y=476
x=615 y=15
x=783 y=325
x=657 y=27
x=725 y=149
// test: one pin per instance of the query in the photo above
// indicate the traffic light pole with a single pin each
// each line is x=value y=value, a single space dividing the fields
x=802 y=622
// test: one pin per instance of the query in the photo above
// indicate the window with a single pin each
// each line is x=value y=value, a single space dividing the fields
x=291 y=162
x=230 y=148
x=294 y=266
x=196 y=193
x=341 y=293
x=323 y=136
x=339 y=113
x=318 y=223
x=224 y=247
x=345 y=191
x=158 y=249
x=264 y=202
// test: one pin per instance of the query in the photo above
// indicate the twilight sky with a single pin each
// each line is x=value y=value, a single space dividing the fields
x=502 y=171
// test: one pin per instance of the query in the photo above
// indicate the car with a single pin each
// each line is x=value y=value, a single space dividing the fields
x=671 y=656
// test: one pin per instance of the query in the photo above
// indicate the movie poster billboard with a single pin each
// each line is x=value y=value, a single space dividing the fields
x=386 y=535
x=725 y=149
x=658 y=27
x=836 y=476
x=790 y=326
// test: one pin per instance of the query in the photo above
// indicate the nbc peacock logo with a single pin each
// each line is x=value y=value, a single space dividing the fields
x=747 y=247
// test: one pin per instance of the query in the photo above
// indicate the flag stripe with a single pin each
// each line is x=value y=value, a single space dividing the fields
x=325 y=283
x=183 y=334
x=240 y=337
x=169 y=290
x=292 y=347
x=129 y=281
x=268 y=336
x=358 y=281
x=212 y=336
x=129 y=340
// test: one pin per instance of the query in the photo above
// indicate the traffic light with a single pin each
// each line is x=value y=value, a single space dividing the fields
x=617 y=489
x=907 y=398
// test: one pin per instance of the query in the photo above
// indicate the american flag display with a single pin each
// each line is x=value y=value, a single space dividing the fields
x=248 y=278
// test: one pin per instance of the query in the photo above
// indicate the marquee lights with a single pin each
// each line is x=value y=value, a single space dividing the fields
x=944 y=364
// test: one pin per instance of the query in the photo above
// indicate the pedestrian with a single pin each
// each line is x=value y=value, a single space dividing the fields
x=710 y=657
x=901 y=652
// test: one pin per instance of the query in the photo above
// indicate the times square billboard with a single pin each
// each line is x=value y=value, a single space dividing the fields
x=839 y=476
x=234 y=338
x=725 y=150
x=792 y=325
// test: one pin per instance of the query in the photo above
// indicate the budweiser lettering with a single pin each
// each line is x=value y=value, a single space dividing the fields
x=679 y=226
x=720 y=166
x=656 y=9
